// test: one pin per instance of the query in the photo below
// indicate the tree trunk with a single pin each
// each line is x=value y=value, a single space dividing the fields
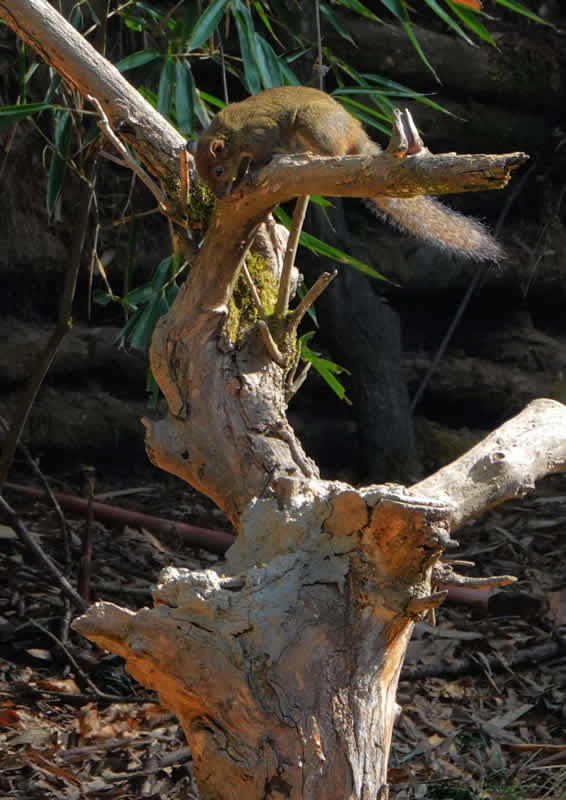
x=282 y=665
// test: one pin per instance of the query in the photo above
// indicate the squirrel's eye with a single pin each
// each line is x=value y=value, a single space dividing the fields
x=218 y=171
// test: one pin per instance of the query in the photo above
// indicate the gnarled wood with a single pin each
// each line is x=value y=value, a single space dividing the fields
x=283 y=664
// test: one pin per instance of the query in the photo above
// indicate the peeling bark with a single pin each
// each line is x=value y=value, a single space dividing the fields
x=282 y=665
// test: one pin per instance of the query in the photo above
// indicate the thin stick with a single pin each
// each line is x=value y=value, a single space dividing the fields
x=30 y=541
x=296 y=227
x=86 y=537
x=295 y=384
x=215 y=541
x=130 y=161
x=253 y=291
x=321 y=70
x=311 y=296
x=49 y=491
x=470 y=582
x=73 y=662
x=270 y=344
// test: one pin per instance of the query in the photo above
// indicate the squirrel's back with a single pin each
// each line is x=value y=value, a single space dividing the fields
x=299 y=119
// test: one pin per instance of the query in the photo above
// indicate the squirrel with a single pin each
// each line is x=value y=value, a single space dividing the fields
x=300 y=119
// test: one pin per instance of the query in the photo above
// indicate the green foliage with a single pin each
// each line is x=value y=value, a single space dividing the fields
x=243 y=42
x=62 y=139
x=207 y=23
x=519 y=8
x=9 y=115
x=145 y=304
x=328 y=251
x=328 y=370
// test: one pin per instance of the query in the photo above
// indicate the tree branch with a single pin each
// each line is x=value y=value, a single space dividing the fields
x=61 y=46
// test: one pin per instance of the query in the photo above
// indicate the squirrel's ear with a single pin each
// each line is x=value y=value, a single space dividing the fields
x=216 y=146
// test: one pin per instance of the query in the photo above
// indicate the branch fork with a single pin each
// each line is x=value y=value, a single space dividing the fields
x=282 y=665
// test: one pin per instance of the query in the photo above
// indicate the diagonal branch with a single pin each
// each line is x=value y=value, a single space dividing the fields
x=61 y=46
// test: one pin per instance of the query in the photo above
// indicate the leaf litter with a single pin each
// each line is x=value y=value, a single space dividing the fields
x=487 y=729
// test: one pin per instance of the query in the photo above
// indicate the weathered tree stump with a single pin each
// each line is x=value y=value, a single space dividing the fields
x=282 y=664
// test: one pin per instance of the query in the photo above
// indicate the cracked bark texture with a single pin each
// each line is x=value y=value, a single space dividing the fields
x=282 y=664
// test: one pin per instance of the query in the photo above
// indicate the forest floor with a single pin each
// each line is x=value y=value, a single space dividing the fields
x=483 y=692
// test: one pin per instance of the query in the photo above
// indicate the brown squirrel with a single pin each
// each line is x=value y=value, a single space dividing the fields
x=299 y=119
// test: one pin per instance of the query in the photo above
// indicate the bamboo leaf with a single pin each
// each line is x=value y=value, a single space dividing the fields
x=58 y=166
x=207 y=23
x=328 y=251
x=138 y=59
x=166 y=85
x=470 y=20
x=445 y=17
x=519 y=8
x=420 y=52
x=397 y=8
x=11 y=114
x=358 y=8
x=184 y=97
x=247 y=50
x=142 y=331
x=333 y=20
x=264 y=18
x=327 y=369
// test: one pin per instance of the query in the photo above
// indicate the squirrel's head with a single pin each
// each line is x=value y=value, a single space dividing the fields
x=217 y=166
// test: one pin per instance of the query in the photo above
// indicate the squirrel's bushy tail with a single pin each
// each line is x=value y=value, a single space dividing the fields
x=433 y=222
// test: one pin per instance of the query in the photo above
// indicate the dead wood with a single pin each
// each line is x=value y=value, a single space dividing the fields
x=283 y=665
x=294 y=647
x=46 y=562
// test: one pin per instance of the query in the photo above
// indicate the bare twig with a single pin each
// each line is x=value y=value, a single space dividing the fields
x=183 y=175
x=467 y=666
x=270 y=344
x=319 y=60
x=419 y=605
x=72 y=661
x=64 y=324
x=311 y=296
x=294 y=385
x=491 y=582
x=253 y=291
x=31 y=542
x=443 y=573
x=32 y=693
x=296 y=227
x=49 y=491
x=128 y=159
x=86 y=554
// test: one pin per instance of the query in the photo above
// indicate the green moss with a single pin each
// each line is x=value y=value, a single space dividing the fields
x=243 y=314
x=200 y=205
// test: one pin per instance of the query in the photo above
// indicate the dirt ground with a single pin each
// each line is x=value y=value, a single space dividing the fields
x=482 y=692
